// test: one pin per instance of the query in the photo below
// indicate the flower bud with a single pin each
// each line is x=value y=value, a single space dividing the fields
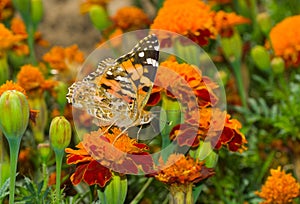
x=277 y=65
x=44 y=151
x=99 y=17
x=232 y=47
x=37 y=11
x=14 y=115
x=261 y=57
x=23 y=6
x=60 y=133
x=264 y=22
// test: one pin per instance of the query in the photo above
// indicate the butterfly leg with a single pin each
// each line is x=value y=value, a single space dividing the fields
x=138 y=133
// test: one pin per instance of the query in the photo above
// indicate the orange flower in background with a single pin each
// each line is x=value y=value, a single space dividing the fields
x=279 y=188
x=180 y=169
x=6 y=9
x=65 y=62
x=88 y=169
x=130 y=18
x=30 y=78
x=191 y=18
x=8 y=39
x=86 y=5
x=10 y=85
x=285 y=40
x=216 y=2
x=224 y=22
x=18 y=27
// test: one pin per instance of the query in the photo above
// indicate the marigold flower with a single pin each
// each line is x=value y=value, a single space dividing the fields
x=191 y=18
x=224 y=22
x=130 y=18
x=87 y=4
x=214 y=125
x=180 y=169
x=279 y=188
x=7 y=38
x=285 y=40
x=10 y=85
x=6 y=9
x=186 y=78
x=88 y=169
x=18 y=27
x=30 y=78
x=117 y=150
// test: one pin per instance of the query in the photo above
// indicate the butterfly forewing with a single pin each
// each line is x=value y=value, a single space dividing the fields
x=119 y=89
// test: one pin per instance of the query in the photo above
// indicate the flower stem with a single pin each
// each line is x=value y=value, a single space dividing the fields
x=138 y=197
x=14 y=146
x=236 y=65
x=45 y=177
x=30 y=41
x=58 y=157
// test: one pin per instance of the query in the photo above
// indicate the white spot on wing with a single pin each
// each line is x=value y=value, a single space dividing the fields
x=141 y=54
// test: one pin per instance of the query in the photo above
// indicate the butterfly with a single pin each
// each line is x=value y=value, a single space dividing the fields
x=117 y=92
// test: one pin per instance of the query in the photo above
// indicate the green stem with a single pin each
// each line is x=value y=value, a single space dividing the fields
x=58 y=157
x=14 y=146
x=236 y=65
x=30 y=41
x=138 y=197
x=45 y=177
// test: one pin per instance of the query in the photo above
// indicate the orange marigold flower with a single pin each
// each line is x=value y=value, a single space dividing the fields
x=130 y=18
x=7 y=38
x=285 y=40
x=10 y=85
x=191 y=18
x=6 y=9
x=180 y=79
x=30 y=78
x=180 y=169
x=280 y=188
x=18 y=27
x=224 y=22
x=214 y=2
x=117 y=150
x=87 y=4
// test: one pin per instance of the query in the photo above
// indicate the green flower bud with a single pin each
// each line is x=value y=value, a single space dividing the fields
x=261 y=57
x=44 y=151
x=277 y=65
x=264 y=22
x=99 y=17
x=14 y=115
x=232 y=47
x=37 y=11
x=23 y=6
x=60 y=133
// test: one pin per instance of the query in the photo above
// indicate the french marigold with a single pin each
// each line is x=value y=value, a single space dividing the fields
x=285 y=40
x=30 y=78
x=6 y=9
x=7 y=38
x=130 y=18
x=279 y=188
x=180 y=169
x=118 y=151
x=214 y=125
x=10 y=85
x=86 y=5
x=191 y=18
x=18 y=27
x=188 y=80
x=224 y=22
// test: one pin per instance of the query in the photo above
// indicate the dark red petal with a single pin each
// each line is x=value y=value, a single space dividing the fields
x=154 y=99
x=97 y=174
x=75 y=159
x=77 y=176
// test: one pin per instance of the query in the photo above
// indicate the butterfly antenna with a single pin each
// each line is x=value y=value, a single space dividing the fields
x=120 y=135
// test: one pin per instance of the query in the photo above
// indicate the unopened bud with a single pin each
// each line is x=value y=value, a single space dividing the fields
x=277 y=65
x=37 y=11
x=44 y=151
x=99 y=17
x=14 y=115
x=261 y=57
x=264 y=22
x=60 y=133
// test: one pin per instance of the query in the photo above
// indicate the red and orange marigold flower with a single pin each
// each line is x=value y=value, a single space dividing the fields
x=191 y=18
x=280 y=188
x=109 y=150
x=285 y=40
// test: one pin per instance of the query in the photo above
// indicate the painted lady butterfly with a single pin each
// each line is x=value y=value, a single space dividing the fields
x=116 y=93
